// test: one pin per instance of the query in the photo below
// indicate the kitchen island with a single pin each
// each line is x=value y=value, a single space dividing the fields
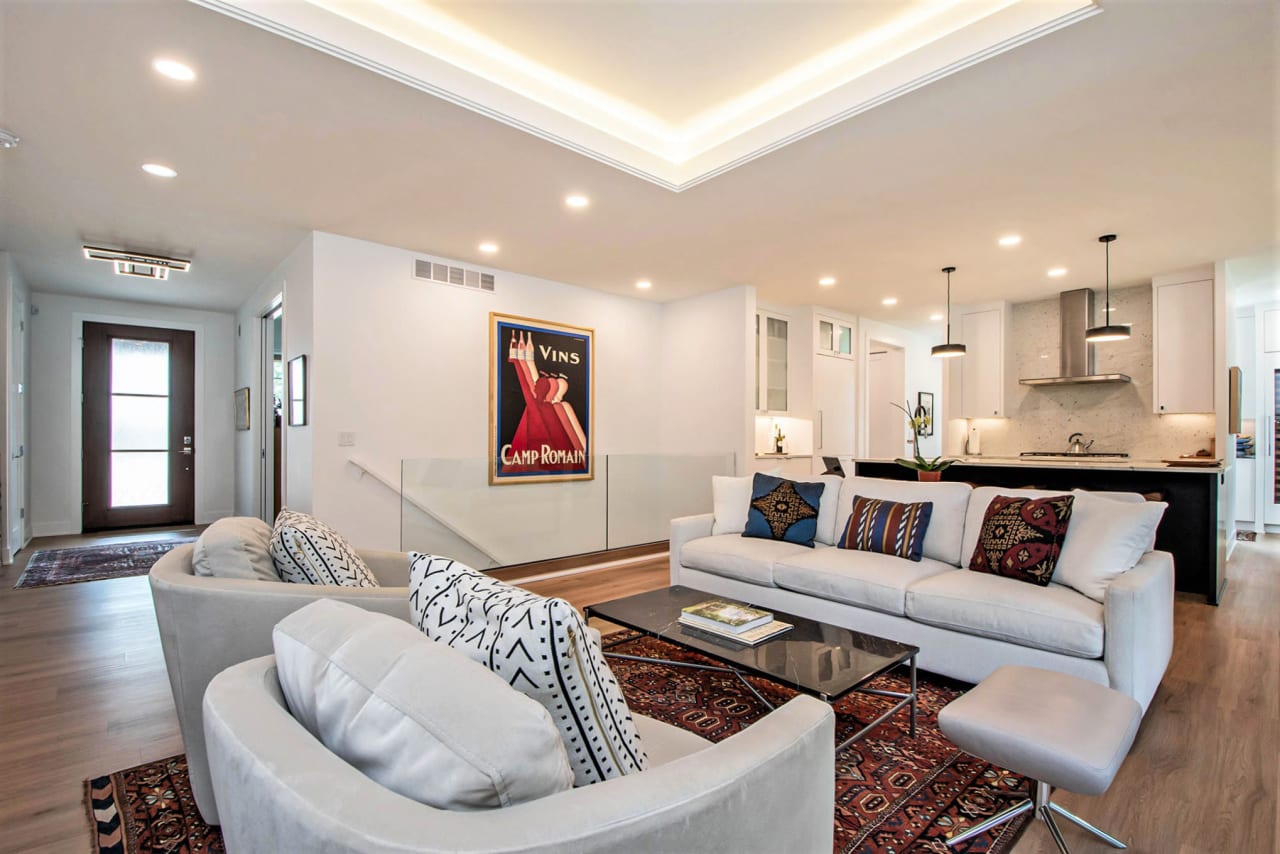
x=1189 y=529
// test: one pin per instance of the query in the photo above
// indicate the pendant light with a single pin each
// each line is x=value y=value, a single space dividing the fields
x=948 y=350
x=1108 y=331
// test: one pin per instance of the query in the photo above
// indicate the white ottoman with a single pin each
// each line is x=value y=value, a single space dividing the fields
x=1061 y=731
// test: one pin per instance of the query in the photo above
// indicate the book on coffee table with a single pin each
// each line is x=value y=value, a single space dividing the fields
x=750 y=637
x=719 y=615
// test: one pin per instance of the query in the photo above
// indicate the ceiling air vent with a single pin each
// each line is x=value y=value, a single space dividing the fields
x=429 y=271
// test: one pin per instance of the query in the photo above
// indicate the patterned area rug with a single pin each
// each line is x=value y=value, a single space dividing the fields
x=94 y=563
x=1247 y=536
x=894 y=794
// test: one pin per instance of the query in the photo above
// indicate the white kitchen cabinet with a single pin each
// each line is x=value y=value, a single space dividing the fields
x=1183 y=345
x=981 y=369
x=1246 y=505
x=772 y=341
x=835 y=406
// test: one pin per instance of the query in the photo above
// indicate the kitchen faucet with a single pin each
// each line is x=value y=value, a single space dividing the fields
x=1076 y=445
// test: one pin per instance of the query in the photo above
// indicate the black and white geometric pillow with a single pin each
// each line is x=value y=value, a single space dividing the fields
x=541 y=647
x=307 y=551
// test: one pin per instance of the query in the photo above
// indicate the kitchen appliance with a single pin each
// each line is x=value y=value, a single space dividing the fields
x=1076 y=357
x=1076 y=445
x=974 y=444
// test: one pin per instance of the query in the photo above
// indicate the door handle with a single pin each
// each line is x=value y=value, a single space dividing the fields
x=188 y=451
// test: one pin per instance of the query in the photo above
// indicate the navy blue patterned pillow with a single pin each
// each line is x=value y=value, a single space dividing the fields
x=887 y=527
x=783 y=510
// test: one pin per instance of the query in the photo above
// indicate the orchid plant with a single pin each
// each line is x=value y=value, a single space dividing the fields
x=919 y=423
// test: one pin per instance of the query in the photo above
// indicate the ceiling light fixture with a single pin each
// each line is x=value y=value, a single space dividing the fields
x=1108 y=331
x=159 y=170
x=827 y=281
x=936 y=317
x=174 y=70
x=889 y=301
x=644 y=284
x=1010 y=240
x=576 y=200
x=8 y=140
x=948 y=350
x=1057 y=272
x=137 y=264
x=488 y=247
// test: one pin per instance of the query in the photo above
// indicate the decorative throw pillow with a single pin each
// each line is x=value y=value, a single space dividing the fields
x=235 y=547
x=783 y=510
x=414 y=715
x=887 y=527
x=307 y=551
x=730 y=499
x=540 y=647
x=1022 y=537
x=1108 y=536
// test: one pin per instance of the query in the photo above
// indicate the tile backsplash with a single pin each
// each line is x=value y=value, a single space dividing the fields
x=1118 y=417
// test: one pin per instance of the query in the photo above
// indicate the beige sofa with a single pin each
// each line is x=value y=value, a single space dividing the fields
x=208 y=624
x=966 y=623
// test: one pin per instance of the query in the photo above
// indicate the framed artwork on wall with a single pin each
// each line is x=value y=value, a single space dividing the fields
x=297 y=391
x=242 y=408
x=924 y=407
x=541 y=399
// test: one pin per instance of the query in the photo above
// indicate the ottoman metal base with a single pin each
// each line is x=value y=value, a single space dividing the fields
x=1044 y=809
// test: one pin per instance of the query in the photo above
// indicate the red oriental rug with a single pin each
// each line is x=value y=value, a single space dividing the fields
x=894 y=794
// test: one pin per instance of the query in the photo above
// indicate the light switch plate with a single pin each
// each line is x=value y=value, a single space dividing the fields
x=346 y=440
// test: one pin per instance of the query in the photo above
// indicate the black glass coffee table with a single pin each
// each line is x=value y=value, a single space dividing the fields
x=816 y=658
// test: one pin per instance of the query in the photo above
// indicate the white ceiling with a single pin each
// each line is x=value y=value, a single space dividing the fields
x=1156 y=120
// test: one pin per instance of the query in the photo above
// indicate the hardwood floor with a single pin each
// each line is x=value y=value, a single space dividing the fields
x=83 y=692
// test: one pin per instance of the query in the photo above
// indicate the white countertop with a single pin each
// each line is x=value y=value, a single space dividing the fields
x=1067 y=462
x=786 y=457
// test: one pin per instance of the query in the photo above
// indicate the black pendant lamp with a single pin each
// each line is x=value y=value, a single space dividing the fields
x=948 y=350
x=1108 y=331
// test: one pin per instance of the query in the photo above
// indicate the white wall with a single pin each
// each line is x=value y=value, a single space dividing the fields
x=55 y=440
x=923 y=373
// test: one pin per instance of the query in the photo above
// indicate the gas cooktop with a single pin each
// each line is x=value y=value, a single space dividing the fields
x=1116 y=454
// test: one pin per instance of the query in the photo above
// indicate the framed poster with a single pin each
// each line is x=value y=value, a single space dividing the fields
x=540 y=401
x=924 y=408
x=242 y=408
x=297 y=392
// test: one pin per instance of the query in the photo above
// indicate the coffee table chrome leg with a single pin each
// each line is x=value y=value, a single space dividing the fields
x=893 y=710
x=695 y=666
x=913 y=696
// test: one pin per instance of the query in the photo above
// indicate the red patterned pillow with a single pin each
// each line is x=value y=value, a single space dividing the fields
x=1022 y=537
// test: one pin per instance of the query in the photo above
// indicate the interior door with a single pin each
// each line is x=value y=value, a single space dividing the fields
x=16 y=499
x=1267 y=445
x=138 y=426
x=836 y=406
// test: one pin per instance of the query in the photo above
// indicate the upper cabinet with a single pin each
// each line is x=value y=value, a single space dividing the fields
x=835 y=337
x=979 y=373
x=1183 y=345
x=772 y=337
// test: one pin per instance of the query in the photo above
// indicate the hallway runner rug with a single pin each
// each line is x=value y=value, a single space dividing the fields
x=893 y=794
x=94 y=563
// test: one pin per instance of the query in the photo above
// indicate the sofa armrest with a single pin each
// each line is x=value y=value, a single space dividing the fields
x=1139 y=626
x=390 y=568
x=684 y=529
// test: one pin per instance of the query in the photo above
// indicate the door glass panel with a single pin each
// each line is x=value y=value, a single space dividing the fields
x=825 y=333
x=776 y=358
x=139 y=367
x=139 y=479
x=846 y=340
x=139 y=423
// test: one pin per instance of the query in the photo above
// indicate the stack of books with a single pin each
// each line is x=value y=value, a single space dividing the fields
x=732 y=620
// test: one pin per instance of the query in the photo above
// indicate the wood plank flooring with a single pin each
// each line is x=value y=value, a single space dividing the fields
x=83 y=692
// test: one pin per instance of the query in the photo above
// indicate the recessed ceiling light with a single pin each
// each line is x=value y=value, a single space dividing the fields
x=1010 y=240
x=889 y=301
x=1057 y=272
x=827 y=281
x=644 y=284
x=174 y=70
x=159 y=170
x=937 y=316
x=576 y=200
x=488 y=247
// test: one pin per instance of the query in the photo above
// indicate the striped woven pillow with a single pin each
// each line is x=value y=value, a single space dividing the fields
x=887 y=527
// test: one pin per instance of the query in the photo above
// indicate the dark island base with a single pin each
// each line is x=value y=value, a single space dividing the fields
x=1189 y=529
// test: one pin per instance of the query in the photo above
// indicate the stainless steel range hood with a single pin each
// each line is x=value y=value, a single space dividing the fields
x=1075 y=310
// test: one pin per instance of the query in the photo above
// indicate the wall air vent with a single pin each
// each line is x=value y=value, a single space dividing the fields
x=429 y=271
x=137 y=264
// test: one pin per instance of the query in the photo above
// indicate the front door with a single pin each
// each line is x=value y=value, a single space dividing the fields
x=17 y=493
x=139 y=426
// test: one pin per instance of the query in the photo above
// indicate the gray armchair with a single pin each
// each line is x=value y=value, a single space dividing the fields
x=208 y=624
x=768 y=788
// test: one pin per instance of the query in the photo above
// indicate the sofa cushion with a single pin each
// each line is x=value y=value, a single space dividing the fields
x=414 y=715
x=1053 y=618
x=946 y=524
x=733 y=556
x=865 y=579
x=539 y=646
x=783 y=509
x=1021 y=538
x=235 y=547
x=887 y=527
x=1107 y=537
x=307 y=551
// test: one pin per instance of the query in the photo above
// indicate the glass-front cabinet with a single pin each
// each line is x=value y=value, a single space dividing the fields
x=771 y=362
x=835 y=338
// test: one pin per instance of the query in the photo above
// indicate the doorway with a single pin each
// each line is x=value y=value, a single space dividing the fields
x=271 y=452
x=138 y=426
x=16 y=496
x=886 y=386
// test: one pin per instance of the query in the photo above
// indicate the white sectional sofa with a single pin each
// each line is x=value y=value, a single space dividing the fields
x=966 y=623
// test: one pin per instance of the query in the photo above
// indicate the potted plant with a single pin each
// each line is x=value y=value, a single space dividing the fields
x=927 y=470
